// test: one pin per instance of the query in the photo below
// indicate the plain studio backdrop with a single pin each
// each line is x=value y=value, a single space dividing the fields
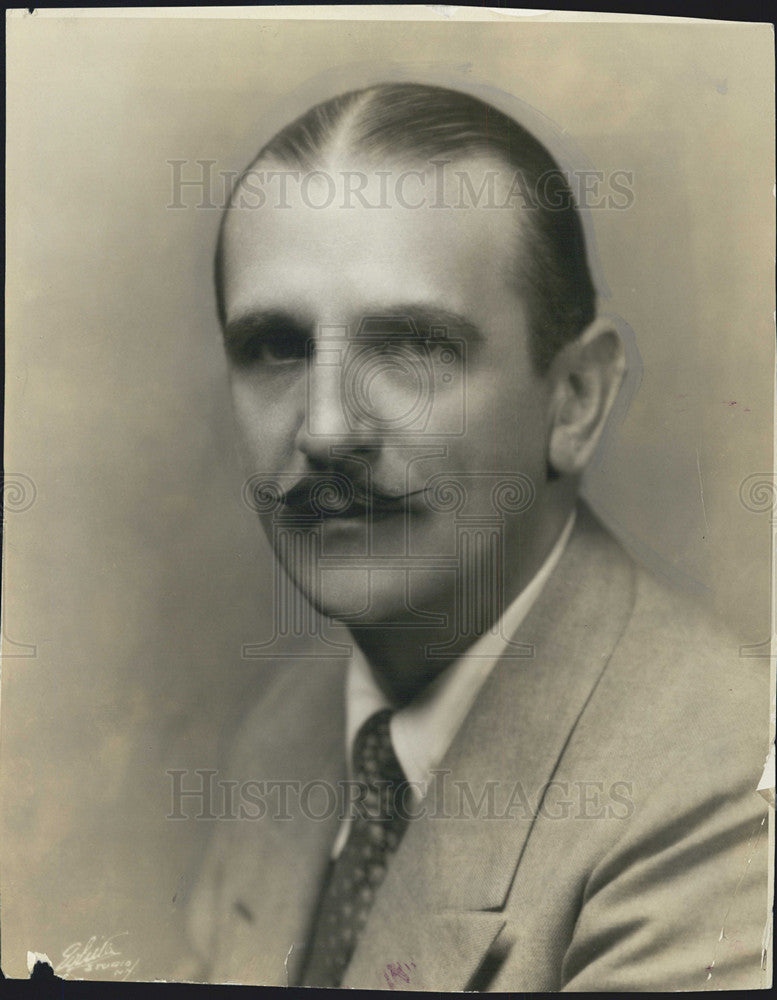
x=135 y=574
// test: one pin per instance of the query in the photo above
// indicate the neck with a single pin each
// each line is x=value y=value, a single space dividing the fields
x=399 y=657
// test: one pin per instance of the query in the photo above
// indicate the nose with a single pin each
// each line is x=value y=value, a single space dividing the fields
x=331 y=426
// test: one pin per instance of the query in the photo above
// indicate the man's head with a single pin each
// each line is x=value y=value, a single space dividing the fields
x=411 y=125
x=413 y=304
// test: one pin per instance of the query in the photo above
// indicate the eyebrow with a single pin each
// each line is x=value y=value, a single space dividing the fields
x=429 y=317
x=425 y=318
x=258 y=323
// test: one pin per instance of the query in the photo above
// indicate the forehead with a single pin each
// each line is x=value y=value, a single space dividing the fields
x=327 y=242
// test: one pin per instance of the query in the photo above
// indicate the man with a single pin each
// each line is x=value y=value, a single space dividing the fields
x=555 y=756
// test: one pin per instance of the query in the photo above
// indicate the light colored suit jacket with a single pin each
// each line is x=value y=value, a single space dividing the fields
x=611 y=837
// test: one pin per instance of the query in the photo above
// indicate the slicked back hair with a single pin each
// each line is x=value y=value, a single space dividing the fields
x=408 y=122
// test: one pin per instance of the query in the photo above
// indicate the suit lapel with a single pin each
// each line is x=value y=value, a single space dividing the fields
x=441 y=901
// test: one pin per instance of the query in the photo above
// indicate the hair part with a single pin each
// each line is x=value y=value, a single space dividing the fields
x=394 y=122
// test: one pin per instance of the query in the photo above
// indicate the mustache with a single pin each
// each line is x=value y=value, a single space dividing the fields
x=338 y=494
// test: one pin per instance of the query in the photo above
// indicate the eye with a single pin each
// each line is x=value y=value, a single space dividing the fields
x=281 y=349
x=397 y=345
x=268 y=348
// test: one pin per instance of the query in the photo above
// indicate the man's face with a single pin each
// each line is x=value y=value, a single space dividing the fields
x=381 y=348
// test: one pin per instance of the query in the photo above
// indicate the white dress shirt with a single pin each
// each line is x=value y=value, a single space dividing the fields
x=422 y=730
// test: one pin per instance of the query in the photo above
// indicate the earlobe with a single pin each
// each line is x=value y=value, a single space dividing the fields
x=587 y=375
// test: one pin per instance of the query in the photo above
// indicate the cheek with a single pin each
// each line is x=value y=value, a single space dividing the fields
x=505 y=422
x=266 y=428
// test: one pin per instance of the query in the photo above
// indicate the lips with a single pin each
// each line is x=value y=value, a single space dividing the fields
x=339 y=501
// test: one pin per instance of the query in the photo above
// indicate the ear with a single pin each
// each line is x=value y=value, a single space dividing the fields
x=585 y=376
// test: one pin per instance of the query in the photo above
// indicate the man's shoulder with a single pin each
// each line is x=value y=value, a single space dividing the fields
x=677 y=681
x=674 y=634
x=667 y=621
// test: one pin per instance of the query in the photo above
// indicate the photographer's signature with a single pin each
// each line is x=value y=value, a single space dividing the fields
x=98 y=954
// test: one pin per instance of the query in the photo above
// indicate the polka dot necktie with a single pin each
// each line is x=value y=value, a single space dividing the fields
x=377 y=827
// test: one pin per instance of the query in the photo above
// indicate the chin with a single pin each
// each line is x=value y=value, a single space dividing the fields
x=375 y=596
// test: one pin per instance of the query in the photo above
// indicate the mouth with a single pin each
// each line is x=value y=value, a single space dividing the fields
x=353 y=504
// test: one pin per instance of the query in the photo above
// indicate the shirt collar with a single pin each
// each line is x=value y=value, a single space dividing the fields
x=422 y=730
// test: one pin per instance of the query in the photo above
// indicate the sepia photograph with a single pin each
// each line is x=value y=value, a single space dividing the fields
x=389 y=499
